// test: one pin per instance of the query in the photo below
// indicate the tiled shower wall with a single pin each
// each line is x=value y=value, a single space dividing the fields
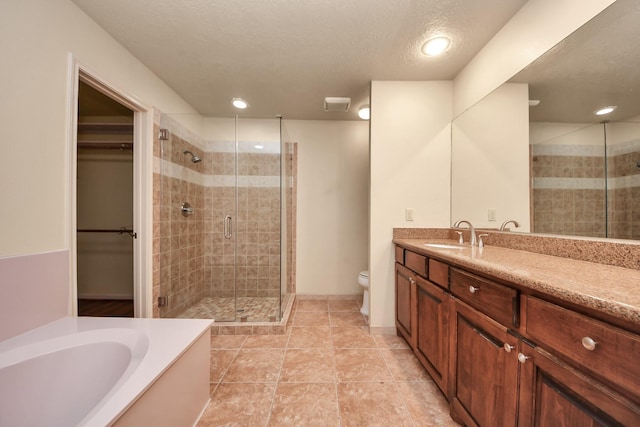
x=624 y=190
x=568 y=190
x=569 y=195
x=178 y=241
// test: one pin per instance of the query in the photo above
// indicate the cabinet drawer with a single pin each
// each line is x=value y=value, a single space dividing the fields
x=415 y=262
x=439 y=273
x=496 y=301
x=607 y=351
x=400 y=255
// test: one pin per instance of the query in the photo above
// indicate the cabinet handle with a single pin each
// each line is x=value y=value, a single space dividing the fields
x=473 y=289
x=412 y=281
x=507 y=347
x=589 y=343
x=522 y=358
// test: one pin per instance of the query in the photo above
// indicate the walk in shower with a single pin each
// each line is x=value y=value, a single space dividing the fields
x=223 y=219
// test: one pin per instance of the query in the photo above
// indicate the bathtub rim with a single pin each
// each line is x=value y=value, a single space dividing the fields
x=168 y=339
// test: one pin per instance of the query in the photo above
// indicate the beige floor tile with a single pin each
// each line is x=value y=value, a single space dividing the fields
x=390 y=341
x=403 y=365
x=213 y=387
x=220 y=362
x=308 y=365
x=311 y=318
x=371 y=404
x=312 y=305
x=265 y=341
x=239 y=405
x=352 y=337
x=306 y=404
x=343 y=305
x=347 y=318
x=360 y=365
x=254 y=366
x=227 y=342
x=310 y=337
x=426 y=404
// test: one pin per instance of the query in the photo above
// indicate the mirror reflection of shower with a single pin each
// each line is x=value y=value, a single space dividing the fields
x=194 y=158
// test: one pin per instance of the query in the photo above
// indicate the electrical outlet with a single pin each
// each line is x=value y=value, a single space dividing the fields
x=408 y=214
x=491 y=214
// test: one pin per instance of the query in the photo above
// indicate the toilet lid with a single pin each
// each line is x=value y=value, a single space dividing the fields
x=364 y=274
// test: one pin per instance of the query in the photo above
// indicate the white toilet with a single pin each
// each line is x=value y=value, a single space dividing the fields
x=363 y=280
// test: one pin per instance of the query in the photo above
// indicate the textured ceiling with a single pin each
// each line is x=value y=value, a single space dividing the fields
x=596 y=66
x=285 y=56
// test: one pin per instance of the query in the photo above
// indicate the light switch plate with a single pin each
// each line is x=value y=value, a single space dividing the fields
x=408 y=214
x=491 y=216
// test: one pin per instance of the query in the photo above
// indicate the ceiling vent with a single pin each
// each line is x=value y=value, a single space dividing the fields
x=337 y=104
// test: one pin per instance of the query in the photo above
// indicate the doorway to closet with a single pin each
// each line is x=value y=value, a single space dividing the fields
x=104 y=205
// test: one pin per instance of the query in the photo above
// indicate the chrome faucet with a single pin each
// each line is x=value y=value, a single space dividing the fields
x=507 y=222
x=472 y=230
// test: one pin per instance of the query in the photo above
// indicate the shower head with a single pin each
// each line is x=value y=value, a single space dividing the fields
x=194 y=158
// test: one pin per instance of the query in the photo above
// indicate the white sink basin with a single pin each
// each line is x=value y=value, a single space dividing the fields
x=445 y=246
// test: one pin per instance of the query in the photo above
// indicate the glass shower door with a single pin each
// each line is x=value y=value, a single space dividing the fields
x=258 y=217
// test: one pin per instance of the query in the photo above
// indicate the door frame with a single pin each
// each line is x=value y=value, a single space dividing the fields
x=142 y=185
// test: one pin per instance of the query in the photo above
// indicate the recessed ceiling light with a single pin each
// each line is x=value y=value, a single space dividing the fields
x=534 y=102
x=239 y=103
x=364 y=112
x=605 y=110
x=436 y=46
x=258 y=146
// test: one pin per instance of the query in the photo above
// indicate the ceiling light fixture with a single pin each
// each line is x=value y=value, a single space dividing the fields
x=364 y=112
x=534 y=102
x=258 y=147
x=605 y=110
x=436 y=46
x=239 y=103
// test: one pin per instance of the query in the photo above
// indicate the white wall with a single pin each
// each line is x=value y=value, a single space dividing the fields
x=332 y=200
x=490 y=159
x=537 y=27
x=410 y=168
x=37 y=38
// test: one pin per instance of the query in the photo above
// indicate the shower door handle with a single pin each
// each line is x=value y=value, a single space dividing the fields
x=227 y=227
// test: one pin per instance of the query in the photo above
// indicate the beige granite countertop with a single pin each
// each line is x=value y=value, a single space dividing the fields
x=609 y=289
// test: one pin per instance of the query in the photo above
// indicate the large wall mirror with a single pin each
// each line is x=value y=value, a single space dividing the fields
x=534 y=150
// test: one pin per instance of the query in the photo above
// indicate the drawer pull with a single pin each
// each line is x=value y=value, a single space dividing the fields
x=522 y=358
x=589 y=343
x=507 y=347
x=473 y=289
x=413 y=282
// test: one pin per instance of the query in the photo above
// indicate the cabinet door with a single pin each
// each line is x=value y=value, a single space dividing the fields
x=432 y=347
x=405 y=304
x=554 y=394
x=484 y=383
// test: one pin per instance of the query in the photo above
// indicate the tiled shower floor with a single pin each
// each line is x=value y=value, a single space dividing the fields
x=250 y=309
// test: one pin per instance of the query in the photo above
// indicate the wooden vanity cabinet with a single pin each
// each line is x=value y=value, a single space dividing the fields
x=406 y=296
x=484 y=369
x=504 y=358
x=422 y=313
x=432 y=335
x=554 y=394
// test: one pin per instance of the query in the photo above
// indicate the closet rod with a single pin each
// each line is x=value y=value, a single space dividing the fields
x=121 y=230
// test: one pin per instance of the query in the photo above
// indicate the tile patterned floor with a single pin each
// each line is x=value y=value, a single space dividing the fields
x=254 y=309
x=326 y=371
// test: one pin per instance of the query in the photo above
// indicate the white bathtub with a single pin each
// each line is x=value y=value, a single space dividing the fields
x=89 y=371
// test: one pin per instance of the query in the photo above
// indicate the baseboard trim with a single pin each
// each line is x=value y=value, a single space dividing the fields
x=382 y=330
